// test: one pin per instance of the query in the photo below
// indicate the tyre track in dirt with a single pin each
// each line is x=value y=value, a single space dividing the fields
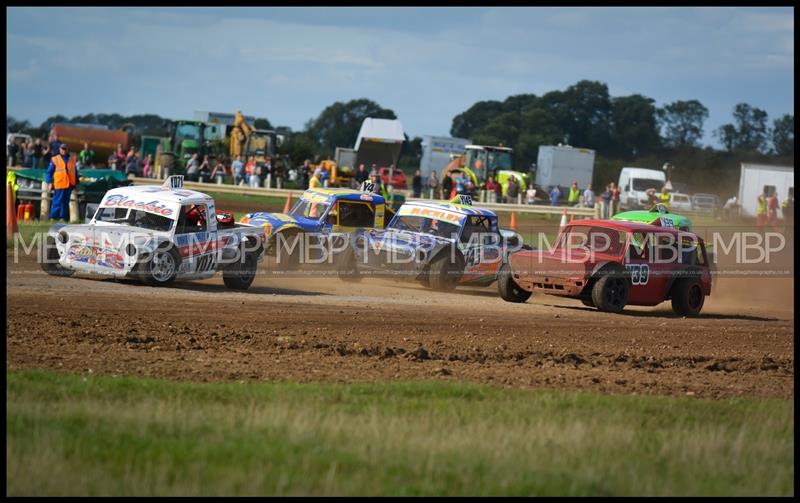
x=312 y=329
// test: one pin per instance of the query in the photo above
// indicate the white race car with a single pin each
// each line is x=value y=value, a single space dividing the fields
x=156 y=234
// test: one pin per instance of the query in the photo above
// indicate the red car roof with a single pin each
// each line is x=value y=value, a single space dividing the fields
x=622 y=225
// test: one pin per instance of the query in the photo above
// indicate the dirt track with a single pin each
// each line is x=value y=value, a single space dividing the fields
x=323 y=329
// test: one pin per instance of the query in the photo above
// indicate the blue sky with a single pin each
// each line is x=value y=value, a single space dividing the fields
x=427 y=64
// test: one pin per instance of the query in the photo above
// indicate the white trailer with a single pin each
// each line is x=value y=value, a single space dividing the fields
x=561 y=164
x=437 y=152
x=755 y=178
x=379 y=142
x=345 y=157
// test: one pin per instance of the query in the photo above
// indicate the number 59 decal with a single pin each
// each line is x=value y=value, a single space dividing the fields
x=640 y=273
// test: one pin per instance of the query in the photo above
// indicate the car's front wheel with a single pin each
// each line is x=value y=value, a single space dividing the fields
x=509 y=290
x=240 y=274
x=50 y=258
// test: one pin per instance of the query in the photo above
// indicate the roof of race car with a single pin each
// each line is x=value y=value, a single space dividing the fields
x=179 y=196
x=456 y=208
x=625 y=225
x=346 y=194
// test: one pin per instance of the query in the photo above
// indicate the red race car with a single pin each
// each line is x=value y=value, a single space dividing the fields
x=609 y=264
x=398 y=178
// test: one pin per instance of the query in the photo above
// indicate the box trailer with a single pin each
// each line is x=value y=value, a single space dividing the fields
x=437 y=151
x=754 y=179
x=379 y=142
x=561 y=164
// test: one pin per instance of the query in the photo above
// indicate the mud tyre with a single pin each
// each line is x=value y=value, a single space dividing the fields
x=687 y=297
x=347 y=266
x=445 y=275
x=611 y=291
x=240 y=274
x=509 y=290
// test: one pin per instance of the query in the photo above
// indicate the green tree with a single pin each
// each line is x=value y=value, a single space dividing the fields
x=262 y=123
x=475 y=118
x=634 y=125
x=586 y=114
x=783 y=135
x=681 y=123
x=298 y=147
x=338 y=124
x=749 y=131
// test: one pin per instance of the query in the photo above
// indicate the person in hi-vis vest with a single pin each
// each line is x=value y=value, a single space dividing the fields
x=62 y=177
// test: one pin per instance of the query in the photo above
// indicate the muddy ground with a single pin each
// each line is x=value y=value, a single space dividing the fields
x=320 y=329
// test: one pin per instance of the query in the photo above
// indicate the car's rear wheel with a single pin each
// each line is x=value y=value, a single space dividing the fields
x=444 y=273
x=610 y=292
x=688 y=297
x=161 y=268
x=509 y=290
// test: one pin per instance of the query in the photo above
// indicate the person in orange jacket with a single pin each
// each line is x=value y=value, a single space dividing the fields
x=62 y=177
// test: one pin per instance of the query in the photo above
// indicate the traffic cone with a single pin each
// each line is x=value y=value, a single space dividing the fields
x=563 y=218
x=513 y=223
x=11 y=214
x=288 y=205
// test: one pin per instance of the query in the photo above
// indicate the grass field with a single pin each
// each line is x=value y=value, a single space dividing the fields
x=92 y=435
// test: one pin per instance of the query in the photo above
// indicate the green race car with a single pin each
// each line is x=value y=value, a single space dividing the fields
x=657 y=215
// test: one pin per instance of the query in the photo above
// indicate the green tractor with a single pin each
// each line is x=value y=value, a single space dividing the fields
x=479 y=162
x=186 y=137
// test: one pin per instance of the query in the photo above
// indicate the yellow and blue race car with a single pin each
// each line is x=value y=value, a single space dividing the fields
x=316 y=219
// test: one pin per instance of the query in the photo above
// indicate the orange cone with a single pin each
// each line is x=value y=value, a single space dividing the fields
x=563 y=218
x=513 y=224
x=11 y=214
x=288 y=205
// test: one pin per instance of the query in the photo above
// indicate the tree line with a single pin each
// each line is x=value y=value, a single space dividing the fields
x=624 y=129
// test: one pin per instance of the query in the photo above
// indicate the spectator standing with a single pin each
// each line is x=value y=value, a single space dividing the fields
x=305 y=172
x=530 y=195
x=447 y=187
x=121 y=157
x=512 y=190
x=614 y=207
x=112 y=161
x=38 y=153
x=605 y=211
x=433 y=184
x=574 y=195
x=268 y=172
x=86 y=156
x=132 y=163
x=787 y=208
x=219 y=172
x=250 y=168
x=147 y=166
x=279 y=174
x=27 y=155
x=238 y=171
x=493 y=190
x=761 y=210
x=61 y=177
x=204 y=173
x=55 y=145
x=588 y=197
x=193 y=168
x=315 y=182
x=555 y=195
x=13 y=150
x=324 y=176
x=416 y=184
x=772 y=210
x=461 y=185
x=361 y=175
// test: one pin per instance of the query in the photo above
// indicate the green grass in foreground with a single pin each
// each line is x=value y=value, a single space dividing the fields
x=73 y=435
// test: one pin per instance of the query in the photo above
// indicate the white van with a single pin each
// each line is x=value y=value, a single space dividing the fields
x=634 y=182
